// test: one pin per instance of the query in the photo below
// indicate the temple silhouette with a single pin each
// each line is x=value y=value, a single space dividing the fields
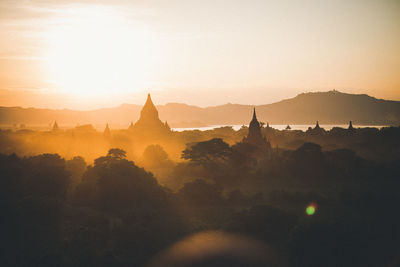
x=149 y=122
x=255 y=136
x=317 y=130
x=55 y=128
x=107 y=132
x=351 y=128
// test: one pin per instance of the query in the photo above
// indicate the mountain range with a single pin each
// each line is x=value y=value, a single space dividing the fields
x=332 y=107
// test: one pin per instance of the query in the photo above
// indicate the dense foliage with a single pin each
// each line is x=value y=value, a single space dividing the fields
x=58 y=212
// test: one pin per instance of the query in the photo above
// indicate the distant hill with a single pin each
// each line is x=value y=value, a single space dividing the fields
x=331 y=107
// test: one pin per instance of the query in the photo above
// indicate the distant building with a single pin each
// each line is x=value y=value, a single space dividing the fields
x=269 y=130
x=107 y=132
x=149 y=121
x=316 y=130
x=317 y=126
x=255 y=136
x=167 y=125
x=55 y=127
x=351 y=126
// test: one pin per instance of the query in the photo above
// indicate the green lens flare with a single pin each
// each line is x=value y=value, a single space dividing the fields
x=310 y=210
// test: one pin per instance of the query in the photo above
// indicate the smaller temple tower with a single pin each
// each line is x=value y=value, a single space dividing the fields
x=351 y=126
x=255 y=136
x=55 y=127
x=107 y=132
x=167 y=125
x=316 y=130
x=254 y=128
x=317 y=126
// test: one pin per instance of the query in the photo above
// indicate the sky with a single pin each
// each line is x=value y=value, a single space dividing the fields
x=93 y=54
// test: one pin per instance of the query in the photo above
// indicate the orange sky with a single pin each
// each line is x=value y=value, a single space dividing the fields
x=77 y=54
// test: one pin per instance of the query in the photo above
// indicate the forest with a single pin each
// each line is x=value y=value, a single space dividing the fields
x=80 y=197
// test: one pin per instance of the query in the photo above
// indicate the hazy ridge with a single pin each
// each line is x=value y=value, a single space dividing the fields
x=331 y=107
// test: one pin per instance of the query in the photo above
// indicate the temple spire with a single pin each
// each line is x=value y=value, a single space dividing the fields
x=351 y=125
x=149 y=120
x=55 y=126
x=149 y=103
x=107 y=131
x=149 y=99
x=149 y=111
x=254 y=136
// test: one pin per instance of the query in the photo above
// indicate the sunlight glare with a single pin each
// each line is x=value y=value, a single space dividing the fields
x=98 y=53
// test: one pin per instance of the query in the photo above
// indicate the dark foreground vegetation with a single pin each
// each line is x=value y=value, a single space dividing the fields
x=58 y=212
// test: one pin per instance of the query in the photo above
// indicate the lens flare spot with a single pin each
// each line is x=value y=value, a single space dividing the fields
x=311 y=209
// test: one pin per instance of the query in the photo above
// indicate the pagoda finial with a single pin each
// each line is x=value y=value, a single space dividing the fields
x=350 y=125
x=107 y=132
x=254 y=114
x=55 y=126
x=167 y=125
x=149 y=98
x=149 y=102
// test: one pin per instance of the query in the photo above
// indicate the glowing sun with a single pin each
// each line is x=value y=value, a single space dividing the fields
x=96 y=52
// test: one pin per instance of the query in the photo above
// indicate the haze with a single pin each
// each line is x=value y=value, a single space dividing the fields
x=77 y=54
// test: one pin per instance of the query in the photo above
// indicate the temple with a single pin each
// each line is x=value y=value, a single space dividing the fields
x=255 y=136
x=55 y=127
x=149 y=121
x=316 y=130
x=351 y=126
x=107 y=132
x=317 y=126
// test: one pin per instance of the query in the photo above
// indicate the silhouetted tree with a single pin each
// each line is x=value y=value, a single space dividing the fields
x=201 y=193
x=46 y=175
x=154 y=156
x=268 y=223
x=116 y=153
x=117 y=183
x=76 y=167
x=208 y=153
x=32 y=203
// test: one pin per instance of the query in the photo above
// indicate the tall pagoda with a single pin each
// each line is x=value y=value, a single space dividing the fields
x=255 y=136
x=149 y=121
